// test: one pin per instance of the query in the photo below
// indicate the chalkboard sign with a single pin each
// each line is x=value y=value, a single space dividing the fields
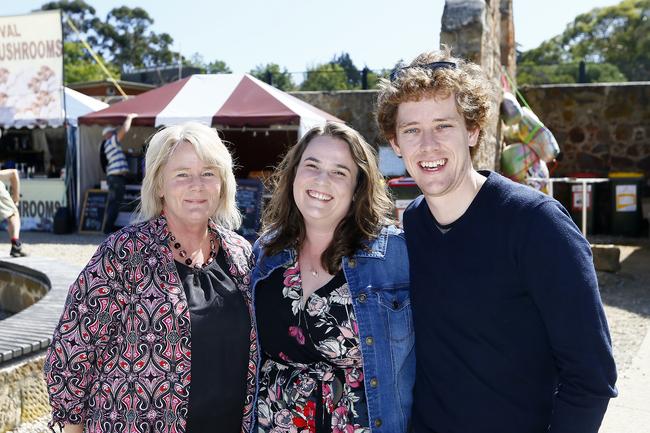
x=249 y=201
x=93 y=212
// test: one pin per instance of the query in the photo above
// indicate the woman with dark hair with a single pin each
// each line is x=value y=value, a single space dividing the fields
x=331 y=292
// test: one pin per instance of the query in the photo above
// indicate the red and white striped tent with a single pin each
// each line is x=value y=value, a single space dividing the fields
x=220 y=100
x=259 y=120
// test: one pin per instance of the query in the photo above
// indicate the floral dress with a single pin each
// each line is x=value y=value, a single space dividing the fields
x=312 y=374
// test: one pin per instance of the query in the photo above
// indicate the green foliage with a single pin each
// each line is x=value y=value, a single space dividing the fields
x=529 y=73
x=339 y=74
x=618 y=35
x=353 y=75
x=280 y=78
x=215 y=67
x=79 y=67
x=327 y=76
x=374 y=77
x=124 y=38
x=82 y=16
x=126 y=35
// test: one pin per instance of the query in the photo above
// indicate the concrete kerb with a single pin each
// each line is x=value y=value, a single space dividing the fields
x=24 y=338
x=32 y=328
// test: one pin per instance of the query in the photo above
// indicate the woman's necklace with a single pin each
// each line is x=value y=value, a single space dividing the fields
x=312 y=270
x=188 y=261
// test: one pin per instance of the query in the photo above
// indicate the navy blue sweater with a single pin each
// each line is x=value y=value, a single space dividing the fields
x=511 y=336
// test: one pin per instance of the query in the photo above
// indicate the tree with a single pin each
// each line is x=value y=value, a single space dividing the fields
x=216 y=67
x=126 y=35
x=279 y=78
x=82 y=16
x=531 y=73
x=326 y=76
x=124 y=39
x=618 y=35
x=78 y=65
x=353 y=75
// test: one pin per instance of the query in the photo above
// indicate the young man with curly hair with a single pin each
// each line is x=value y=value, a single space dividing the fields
x=511 y=336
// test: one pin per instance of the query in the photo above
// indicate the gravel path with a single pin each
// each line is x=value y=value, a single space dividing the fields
x=626 y=294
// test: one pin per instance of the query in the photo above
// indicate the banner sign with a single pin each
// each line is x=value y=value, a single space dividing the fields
x=31 y=70
x=39 y=201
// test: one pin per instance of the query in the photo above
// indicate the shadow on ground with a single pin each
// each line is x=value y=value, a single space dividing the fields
x=70 y=239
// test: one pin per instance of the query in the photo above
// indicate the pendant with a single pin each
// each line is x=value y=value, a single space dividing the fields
x=196 y=277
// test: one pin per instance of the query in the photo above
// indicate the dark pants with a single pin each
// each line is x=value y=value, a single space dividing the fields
x=116 y=187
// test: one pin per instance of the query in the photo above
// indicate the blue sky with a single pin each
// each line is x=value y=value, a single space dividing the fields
x=299 y=33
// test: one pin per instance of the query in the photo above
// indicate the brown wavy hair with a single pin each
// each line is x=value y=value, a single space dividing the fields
x=371 y=208
x=473 y=91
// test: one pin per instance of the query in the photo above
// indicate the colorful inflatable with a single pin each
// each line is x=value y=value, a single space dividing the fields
x=539 y=170
x=516 y=160
x=510 y=109
x=545 y=145
x=529 y=125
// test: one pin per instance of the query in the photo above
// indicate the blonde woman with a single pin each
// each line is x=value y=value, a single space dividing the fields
x=161 y=298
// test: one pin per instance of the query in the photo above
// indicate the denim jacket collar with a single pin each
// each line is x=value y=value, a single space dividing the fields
x=374 y=248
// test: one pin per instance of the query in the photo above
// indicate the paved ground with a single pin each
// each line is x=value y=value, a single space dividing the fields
x=626 y=296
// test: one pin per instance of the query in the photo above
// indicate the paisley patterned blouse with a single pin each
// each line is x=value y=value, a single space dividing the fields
x=120 y=357
x=312 y=375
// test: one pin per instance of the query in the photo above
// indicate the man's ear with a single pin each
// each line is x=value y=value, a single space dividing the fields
x=472 y=137
x=395 y=146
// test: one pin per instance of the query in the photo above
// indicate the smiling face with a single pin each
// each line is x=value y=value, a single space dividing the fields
x=433 y=140
x=190 y=188
x=325 y=180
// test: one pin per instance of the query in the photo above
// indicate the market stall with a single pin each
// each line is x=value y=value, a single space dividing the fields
x=257 y=121
x=42 y=149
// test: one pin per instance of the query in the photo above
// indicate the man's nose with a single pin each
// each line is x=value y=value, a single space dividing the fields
x=429 y=139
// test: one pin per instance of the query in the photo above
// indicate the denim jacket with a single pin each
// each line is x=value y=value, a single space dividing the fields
x=378 y=279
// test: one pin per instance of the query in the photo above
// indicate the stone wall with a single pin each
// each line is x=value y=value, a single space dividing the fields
x=355 y=107
x=18 y=291
x=23 y=394
x=599 y=127
x=508 y=52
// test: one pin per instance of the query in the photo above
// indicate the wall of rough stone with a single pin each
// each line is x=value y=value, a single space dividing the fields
x=507 y=42
x=599 y=127
x=18 y=291
x=355 y=107
x=23 y=394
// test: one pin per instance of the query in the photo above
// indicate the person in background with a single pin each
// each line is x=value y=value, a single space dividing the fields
x=9 y=209
x=511 y=332
x=116 y=167
x=53 y=171
x=331 y=290
x=157 y=334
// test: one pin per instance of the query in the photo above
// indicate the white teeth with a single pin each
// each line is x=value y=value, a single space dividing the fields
x=433 y=164
x=319 y=195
